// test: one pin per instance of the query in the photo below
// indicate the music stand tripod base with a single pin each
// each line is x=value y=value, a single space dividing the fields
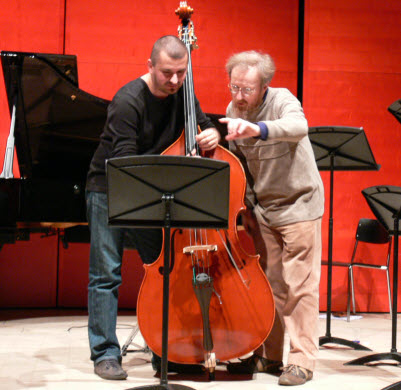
x=167 y=386
x=335 y=340
x=394 y=386
x=376 y=357
x=130 y=340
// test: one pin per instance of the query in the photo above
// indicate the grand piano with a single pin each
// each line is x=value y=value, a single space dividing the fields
x=55 y=127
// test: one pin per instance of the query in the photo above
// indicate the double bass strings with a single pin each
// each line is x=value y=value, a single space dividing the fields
x=198 y=237
x=189 y=97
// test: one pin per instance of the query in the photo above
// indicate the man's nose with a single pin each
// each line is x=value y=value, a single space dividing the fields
x=239 y=95
x=174 y=79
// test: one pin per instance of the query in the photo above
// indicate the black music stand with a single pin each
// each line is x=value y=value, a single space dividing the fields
x=395 y=109
x=385 y=203
x=167 y=191
x=339 y=148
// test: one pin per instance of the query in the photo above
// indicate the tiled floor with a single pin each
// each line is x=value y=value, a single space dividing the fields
x=49 y=350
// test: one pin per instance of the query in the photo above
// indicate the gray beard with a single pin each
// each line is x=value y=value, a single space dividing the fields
x=244 y=114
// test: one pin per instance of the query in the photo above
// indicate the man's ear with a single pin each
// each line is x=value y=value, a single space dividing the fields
x=265 y=87
x=150 y=65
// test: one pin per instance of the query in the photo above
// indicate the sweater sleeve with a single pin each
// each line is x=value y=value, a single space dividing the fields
x=287 y=121
x=122 y=125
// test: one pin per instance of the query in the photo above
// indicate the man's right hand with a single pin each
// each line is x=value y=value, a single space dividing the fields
x=239 y=128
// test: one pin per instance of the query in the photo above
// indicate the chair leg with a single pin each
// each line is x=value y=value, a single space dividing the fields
x=349 y=295
x=389 y=293
x=352 y=288
x=351 y=275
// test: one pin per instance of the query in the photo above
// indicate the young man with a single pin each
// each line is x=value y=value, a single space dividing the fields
x=268 y=131
x=145 y=117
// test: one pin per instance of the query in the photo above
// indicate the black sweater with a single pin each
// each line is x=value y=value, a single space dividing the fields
x=139 y=123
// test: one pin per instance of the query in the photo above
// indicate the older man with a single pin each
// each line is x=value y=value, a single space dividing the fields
x=268 y=131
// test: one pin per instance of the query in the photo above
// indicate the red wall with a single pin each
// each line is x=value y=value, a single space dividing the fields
x=350 y=78
x=112 y=44
x=352 y=74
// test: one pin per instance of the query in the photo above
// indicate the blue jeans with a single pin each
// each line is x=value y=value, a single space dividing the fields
x=105 y=261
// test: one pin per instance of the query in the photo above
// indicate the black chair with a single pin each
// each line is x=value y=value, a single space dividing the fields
x=369 y=231
x=348 y=265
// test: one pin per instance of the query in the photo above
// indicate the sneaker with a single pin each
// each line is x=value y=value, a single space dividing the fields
x=177 y=367
x=110 y=369
x=255 y=364
x=294 y=375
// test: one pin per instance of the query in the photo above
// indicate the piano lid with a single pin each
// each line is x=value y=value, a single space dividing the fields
x=57 y=125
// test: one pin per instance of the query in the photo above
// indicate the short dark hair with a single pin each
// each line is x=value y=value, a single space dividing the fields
x=172 y=45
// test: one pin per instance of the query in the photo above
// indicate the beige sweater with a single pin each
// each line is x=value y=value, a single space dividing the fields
x=282 y=177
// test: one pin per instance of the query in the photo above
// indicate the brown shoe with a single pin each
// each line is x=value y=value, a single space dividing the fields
x=255 y=364
x=294 y=375
x=110 y=369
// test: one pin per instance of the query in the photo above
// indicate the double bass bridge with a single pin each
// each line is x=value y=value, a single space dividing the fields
x=197 y=248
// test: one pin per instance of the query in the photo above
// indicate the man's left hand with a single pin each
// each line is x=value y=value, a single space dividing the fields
x=208 y=139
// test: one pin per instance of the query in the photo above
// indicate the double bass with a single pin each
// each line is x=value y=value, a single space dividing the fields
x=221 y=305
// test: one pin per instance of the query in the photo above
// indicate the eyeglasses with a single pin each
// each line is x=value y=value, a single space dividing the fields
x=245 y=91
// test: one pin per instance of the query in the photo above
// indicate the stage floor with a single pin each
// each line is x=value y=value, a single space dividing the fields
x=48 y=349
